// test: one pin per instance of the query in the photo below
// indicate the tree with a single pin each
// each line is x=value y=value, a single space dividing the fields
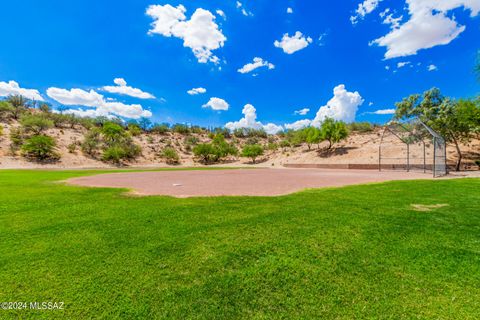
x=333 y=131
x=144 y=123
x=455 y=121
x=112 y=132
x=35 y=123
x=6 y=109
x=19 y=104
x=252 y=151
x=205 y=151
x=40 y=148
x=312 y=135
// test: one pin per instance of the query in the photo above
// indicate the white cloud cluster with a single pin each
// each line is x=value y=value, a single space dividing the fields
x=294 y=43
x=200 y=33
x=103 y=107
x=384 y=112
x=122 y=88
x=243 y=10
x=217 y=104
x=257 y=63
x=196 y=91
x=403 y=64
x=250 y=121
x=432 y=67
x=390 y=20
x=343 y=106
x=221 y=14
x=12 y=88
x=363 y=9
x=429 y=26
x=289 y=10
x=302 y=112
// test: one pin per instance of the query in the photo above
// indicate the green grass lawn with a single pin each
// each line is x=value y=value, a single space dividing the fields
x=348 y=253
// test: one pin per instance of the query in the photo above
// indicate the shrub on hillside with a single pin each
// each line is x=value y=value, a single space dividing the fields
x=40 y=148
x=160 y=128
x=6 y=110
x=113 y=154
x=1 y=131
x=91 y=143
x=181 y=129
x=361 y=127
x=35 y=124
x=134 y=130
x=170 y=155
x=205 y=151
x=16 y=139
x=252 y=151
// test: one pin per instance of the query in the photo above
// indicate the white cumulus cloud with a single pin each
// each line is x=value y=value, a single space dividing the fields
x=289 y=10
x=432 y=67
x=200 y=33
x=302 y=112
x=403 y=64
x=343 y=106
x=122 y=88
x=13 y=88
x=250 y=121
x=384 y=111
x=196 y=91
x=428 y=26
x=363 y=9
x=297 y=125
x=217 y=104
x=257 y=63
x=294 y=43
x=79 y=97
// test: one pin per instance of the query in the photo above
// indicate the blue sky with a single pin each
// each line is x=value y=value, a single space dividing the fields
x=86 y=44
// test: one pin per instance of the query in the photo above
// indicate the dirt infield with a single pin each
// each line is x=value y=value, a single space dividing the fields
x=238 y=182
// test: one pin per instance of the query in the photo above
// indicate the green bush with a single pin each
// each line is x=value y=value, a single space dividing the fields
x=252 y=151
x=477 y=162
x=91 y=143
x=40 y=148
x=16 y=139
x=112 y=133
x=114 y=154
x=35 y=123
x=134 y=130
x=160 y=128
x=361 y=127
x=1 y=130
x=181 y=129
x=191 y=141
x=170 y=155
x=72 y=147
x=6 y=110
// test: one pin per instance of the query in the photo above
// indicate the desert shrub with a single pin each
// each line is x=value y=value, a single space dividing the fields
x=40 y=148
x=91 y=142
x=197 y=130
x=1 y=131
x=72 y=147
x=223 y=131
x=362 y=127
x=35 y=123
x=6 y=110
x=16 y=139
x=134 y=130
x=144 y=123
x=239 y=133
x=150 y=140
x=249 y=132
x=112 y=132
x=181 y=129
x=223 y=148
x=252 y=140
x=252 y=151
x=477 y=162
x=160 y=128
x=59 y=120
x=191 y=141
x=113 y=154
x=170 y=155
x=285 y=144
x=45 y=108
x=272 y=146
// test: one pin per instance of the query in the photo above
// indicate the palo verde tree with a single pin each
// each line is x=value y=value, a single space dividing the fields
x=252 y=151
x=456 y=121
x=333 y=131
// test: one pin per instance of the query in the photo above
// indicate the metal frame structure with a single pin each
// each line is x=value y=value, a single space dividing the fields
x=415 y=132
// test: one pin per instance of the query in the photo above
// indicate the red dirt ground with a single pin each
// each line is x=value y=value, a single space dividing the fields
x=238 y=182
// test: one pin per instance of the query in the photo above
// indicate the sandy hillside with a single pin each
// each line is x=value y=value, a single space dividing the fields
x=357 y=149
